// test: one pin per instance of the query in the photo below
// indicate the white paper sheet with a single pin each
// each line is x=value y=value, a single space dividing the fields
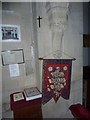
x=14 y=70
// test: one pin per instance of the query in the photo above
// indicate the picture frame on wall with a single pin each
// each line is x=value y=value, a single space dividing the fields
x=10 y=33
x=12 y=57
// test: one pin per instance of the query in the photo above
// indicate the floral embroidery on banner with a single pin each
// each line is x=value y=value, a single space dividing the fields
x=56 y=79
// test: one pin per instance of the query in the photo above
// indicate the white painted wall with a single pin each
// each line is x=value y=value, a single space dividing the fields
x=0 y=64
x=72 y=45
x=22 y=16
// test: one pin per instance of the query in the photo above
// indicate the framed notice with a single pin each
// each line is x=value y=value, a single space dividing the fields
x=18 y=96
x=10 y=33
x=12 y=57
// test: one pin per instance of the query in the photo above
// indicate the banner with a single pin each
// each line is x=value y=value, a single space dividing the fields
x=56 y=79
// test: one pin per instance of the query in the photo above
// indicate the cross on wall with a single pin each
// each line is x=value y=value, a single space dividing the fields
x=39 y=18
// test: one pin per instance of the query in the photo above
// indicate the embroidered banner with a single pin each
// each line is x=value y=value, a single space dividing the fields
x=56 y=79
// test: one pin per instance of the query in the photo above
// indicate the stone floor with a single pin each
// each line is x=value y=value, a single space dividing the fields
x=7 y=114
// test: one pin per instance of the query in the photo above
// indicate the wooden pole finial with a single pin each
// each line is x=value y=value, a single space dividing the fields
x=40 y=58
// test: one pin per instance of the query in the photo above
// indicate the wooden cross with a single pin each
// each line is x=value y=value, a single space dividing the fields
x=39 y=18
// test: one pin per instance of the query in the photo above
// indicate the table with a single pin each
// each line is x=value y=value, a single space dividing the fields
x=26 y=109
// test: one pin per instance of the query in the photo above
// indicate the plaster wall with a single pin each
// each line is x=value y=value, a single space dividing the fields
x=73 y=46
x=0 y=65
x=22 y=16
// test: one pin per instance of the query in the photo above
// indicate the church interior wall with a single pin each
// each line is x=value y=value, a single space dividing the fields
x=21 y=16
x=0 y=66
x=72 y=44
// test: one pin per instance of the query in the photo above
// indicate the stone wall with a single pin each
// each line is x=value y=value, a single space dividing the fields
x=73 y=46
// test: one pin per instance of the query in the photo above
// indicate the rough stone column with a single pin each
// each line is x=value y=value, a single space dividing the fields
x=57 y=16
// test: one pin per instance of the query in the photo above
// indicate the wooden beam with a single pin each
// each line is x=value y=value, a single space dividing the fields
x=86 y=40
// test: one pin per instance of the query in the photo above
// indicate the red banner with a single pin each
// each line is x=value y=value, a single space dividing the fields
x=56 y=79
